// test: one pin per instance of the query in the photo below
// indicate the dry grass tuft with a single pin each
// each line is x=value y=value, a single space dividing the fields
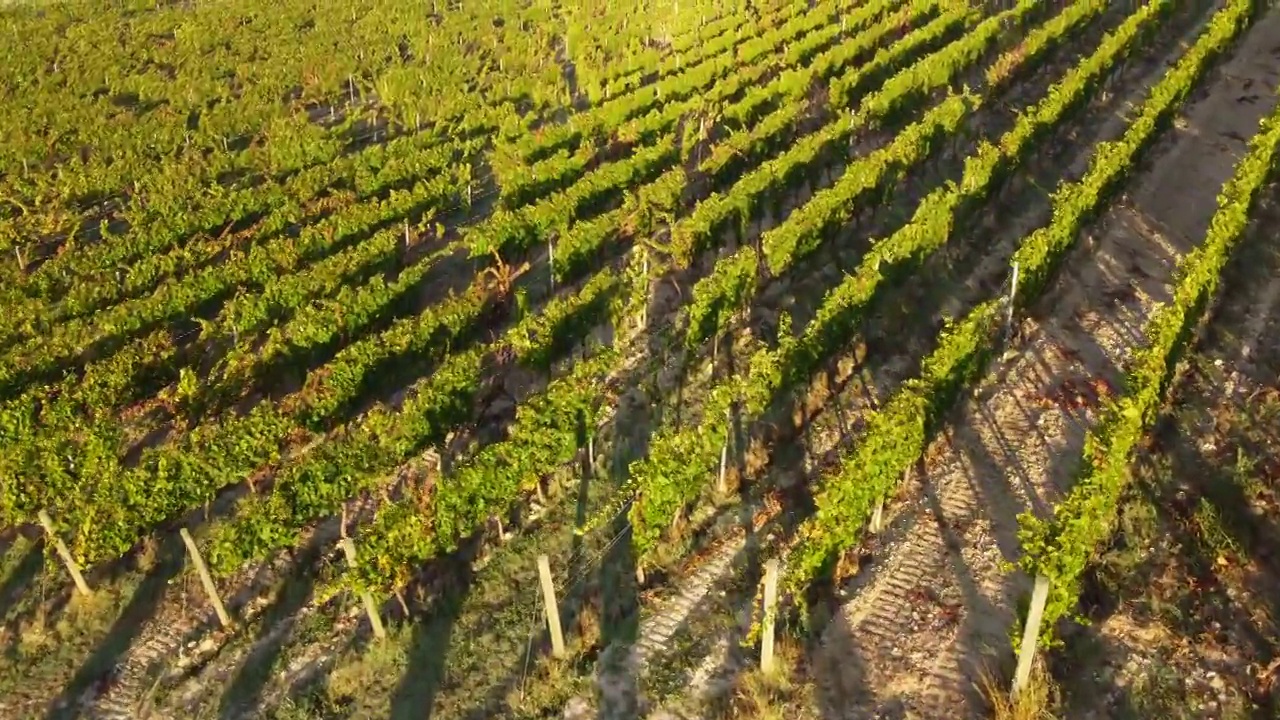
x=779 y=695
x=1035 y=702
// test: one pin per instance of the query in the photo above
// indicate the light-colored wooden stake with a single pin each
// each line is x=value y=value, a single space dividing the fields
x=591 y=454
x=1031 y=633
x=370 y=607
x=877 y=517
x=22 y=262
x=644 y=309
x=549 y=605
x=770 y=615
x=1013 y=295
x=551 y=263
x=72 y=568
x=205 y=578
x=724 y=453
x=639 y=574
x=724 y=465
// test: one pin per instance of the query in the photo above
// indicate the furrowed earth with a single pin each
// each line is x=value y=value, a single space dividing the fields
x=326 y=324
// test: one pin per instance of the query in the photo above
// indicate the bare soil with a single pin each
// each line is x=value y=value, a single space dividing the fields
x=1182 y=605
x=932 y=603
x=933 y=610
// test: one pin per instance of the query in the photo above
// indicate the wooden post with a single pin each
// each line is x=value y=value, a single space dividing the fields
x=1031 y=633
x=205 y=578
x=72 y=568
x=724 y=462
x=770 y=612
x=370 y=607
x=724 y=451
x=549 y=605
x=877 y=517
x=1013 y=295
x=551 y=263
x=644 y=309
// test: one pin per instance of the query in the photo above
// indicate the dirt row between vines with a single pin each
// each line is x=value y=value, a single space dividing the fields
x=804 y=440
x=179 y=627
x=320 y=656
x=796 y=454
x=1182 y=603
x=934 y=608
x=667 y=623
x=697 y=629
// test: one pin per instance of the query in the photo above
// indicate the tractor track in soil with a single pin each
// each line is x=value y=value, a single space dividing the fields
x=935 y=606
x=167 y=635
x=854 y=386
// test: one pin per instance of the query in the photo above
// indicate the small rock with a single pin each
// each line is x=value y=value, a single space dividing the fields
x=577 y=709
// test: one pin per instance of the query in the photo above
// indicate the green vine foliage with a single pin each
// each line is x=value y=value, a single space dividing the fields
x=897 y=435
x=1061 y=547
x=360 y=456
x=225 y=197
x=675 y=472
